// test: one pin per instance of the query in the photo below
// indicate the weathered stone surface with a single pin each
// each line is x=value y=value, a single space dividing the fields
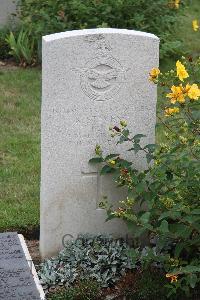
x=7 y=8
x=91 y=79
x=16 y=280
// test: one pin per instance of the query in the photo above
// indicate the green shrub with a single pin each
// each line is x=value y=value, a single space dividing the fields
x=170 y=184
x=99 y=258
x=21 y=47
x=4 y=47
x=155 y=16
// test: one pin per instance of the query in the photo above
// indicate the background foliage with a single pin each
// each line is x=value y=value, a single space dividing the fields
x=155 y=16
x=4 y=47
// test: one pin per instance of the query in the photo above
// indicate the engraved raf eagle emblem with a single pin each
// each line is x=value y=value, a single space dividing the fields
x=101 y=80
x=102 y=76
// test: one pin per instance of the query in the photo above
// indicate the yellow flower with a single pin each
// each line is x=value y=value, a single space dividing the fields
x=176 y=3
x=112 y=162
x=195 y=25
x=154 y=74
x=174 y=278
x=181 y=71
x=171 y=111
x=176 y=95
x=186 y=88
x=193 y=92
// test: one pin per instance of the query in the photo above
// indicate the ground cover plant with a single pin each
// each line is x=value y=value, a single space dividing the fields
x=159 y=17
x=169 y=186
x=100 y=258
x=96 y=267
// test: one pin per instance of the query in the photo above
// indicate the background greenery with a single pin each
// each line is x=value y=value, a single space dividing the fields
x=155 y=16
x=20 y=94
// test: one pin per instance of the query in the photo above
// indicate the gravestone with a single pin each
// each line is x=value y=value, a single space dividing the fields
x=18 y=279
x=91 y=79
x=7 y=9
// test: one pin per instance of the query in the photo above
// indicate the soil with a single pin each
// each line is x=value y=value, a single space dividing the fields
x=8 y=64
x=30 y=233
x=33 y=247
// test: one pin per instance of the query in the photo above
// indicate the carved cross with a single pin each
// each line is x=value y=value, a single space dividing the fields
x=98 y=185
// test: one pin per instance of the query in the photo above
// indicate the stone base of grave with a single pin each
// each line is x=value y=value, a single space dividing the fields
x=18 y=276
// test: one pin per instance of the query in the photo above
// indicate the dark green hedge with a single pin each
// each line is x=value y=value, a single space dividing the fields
x=4 y=48
x=155 y=16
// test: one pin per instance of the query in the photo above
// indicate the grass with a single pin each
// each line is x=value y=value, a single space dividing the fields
x=19 y=144
x=20 y=133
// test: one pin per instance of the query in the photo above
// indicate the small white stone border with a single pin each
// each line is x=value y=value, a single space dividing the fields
x=32 y=267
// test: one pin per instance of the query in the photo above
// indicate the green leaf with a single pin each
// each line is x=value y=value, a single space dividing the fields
x=125 y=132
x=150 y=147
x=180 y=230
x=96 y=160
x=179 y=248
x=145 y=217
x=195 y=211
x=124 y=163
x=136 y=148
x=136 y=230
x=149 y=157
x=171 y=214
x=193 y=280
x=122 y=139
x=106 y=170
x=188 y=269
x=164 y=228
x=191 y=218
x=138 y=137
x=140 y=187
x=196 y=115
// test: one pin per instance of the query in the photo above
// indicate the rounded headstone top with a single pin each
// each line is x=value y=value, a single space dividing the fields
x=82 y=32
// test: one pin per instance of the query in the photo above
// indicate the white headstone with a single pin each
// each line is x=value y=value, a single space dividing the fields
x=7 y=8
x=91 y=79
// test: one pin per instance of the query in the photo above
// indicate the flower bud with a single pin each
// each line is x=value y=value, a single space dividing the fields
x=116 y=128
x=123 y=123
